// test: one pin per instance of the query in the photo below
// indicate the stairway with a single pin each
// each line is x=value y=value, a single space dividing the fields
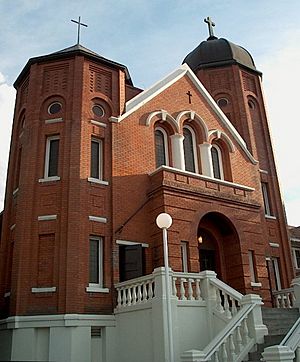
x=279 y=321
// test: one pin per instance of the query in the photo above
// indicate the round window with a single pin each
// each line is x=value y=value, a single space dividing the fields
x=54 y=108
x=98 y=110
x=222 y=102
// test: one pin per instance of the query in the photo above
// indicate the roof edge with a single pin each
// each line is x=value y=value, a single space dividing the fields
x=67 y=54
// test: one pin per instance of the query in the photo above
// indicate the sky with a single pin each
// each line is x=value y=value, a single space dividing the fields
x=151 y=37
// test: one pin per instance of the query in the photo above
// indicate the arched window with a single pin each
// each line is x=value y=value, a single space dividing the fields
x=189 y=146
x=216 y=156
x=161 y=147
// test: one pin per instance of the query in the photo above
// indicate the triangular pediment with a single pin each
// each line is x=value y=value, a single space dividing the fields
x=155 y=90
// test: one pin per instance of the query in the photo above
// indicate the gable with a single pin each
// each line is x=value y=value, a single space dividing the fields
x=161 y=86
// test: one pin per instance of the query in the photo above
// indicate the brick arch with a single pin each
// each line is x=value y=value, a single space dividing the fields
x=106 y=103
x=220 y=235
x=46 y=103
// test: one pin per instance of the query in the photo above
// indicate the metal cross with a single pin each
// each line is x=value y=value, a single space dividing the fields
x=211 y=24
x=79 y=24
x=190 y=96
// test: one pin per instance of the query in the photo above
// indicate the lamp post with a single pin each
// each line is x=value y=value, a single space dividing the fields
x=164 y=221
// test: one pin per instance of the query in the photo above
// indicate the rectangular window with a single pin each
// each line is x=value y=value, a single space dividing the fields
x=184 y=256
x=51 y=157
x=296 y=253
x=97 y=159
x=266 y=197
x=96 y=261
x=252 y=266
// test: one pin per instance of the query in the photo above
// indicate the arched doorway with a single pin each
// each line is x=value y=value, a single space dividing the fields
x=219 y=249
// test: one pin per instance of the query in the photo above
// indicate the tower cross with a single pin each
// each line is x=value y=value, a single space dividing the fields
x=79 y=24
x=210 y=24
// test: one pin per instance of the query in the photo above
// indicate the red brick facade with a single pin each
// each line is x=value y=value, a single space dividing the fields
x=47 y=224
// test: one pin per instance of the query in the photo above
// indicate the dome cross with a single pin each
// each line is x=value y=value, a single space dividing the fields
x=210 y=24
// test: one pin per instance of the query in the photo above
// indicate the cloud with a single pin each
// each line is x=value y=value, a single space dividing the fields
x=281 y=82
x=7 y=99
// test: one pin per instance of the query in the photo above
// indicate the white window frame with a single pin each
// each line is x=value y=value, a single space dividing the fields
x=266 y=198
x=220 y=161
x=165 y=135
x=184 y=256
x=47 y=159
x=101 y=144
x=98 y=287
x=295 y=258
x=194 y=146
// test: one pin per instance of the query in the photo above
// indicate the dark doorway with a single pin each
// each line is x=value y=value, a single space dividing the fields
x=207 y=251
x=131 y=261
x=207 y=259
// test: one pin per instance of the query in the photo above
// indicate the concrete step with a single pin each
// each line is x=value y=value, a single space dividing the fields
x=278 y=321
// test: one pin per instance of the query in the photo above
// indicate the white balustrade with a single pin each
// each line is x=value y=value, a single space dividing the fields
x=284 y=298
x=228 y=300
x=135 y=291
x=187 y=286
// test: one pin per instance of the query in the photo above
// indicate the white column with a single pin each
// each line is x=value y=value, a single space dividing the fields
x=206 y=161
x=177 y=151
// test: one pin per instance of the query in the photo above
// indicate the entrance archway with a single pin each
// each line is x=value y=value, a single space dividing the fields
x=219 y=249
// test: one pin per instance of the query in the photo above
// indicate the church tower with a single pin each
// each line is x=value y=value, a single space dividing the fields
x=229 y=74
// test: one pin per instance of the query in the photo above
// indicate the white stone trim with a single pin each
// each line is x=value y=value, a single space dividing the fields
x=255 y=284
x=271 y=217
x=98 y=219
x=59 y=320
x=142 y=98
x=220 y=134
x=49 y=179
x=274 y=245
x=165 y=116
x=7 y=294
x=97 y=181
x=97 y=123
x=263 y=171
x=43 y=290
x=15 y=191
x=295 y=239
x=203 y=177
x=127 y=242
x=206 y=161
x=12 y=226
x=47 y=217
x=193 y=116
x=177 y=151
x=53 y=120
x=93 y=289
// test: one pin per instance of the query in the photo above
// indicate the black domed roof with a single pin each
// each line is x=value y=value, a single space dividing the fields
x=215 y=52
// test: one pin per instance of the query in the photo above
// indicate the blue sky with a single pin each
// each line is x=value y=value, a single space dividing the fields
x=152 y=38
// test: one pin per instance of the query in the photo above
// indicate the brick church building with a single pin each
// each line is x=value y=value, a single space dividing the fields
x=94 y=160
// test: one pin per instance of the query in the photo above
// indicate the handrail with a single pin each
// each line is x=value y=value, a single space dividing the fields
x=282 y=291
x=292 y=339
x=134 y=281
x=226 y=288
x=236 y=321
